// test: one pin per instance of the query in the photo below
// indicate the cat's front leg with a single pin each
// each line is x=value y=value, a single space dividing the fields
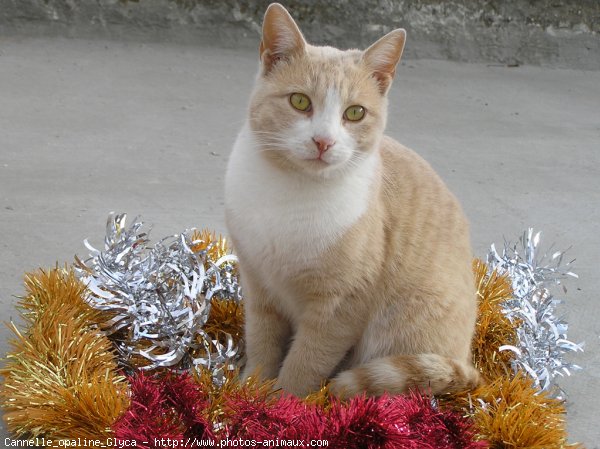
x=326 y=333
x=267 y=332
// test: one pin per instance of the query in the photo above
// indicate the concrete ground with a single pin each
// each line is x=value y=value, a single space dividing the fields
x=87 y=127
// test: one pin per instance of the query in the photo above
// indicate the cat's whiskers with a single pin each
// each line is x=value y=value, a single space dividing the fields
x=270 y=141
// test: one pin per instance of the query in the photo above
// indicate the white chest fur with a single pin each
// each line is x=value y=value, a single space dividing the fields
x=284 y=221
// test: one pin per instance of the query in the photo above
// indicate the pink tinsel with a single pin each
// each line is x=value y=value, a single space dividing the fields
x=171 y=407
x=163 y=408
x=396 y=422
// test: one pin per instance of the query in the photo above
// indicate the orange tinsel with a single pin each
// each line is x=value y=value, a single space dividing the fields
x=493 y=328
x=205 y=240
x=61 y=378
x=511 y=412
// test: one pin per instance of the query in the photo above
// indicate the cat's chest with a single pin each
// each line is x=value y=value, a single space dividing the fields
x=287 y=227
x=284 y=223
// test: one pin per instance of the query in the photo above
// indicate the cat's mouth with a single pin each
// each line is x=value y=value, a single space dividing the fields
x=319 y=160
x=317 y=163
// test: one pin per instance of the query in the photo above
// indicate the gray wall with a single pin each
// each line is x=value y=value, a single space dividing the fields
x=561 y=33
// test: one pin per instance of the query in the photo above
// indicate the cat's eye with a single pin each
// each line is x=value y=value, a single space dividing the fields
x=354 y=113
x=300 y=102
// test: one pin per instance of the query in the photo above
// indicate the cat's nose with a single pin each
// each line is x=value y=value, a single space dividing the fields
x=323 y=143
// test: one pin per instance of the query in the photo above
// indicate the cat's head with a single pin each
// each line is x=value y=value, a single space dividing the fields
x=319 y=110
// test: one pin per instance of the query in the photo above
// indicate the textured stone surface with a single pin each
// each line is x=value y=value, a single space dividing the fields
x=563 y=33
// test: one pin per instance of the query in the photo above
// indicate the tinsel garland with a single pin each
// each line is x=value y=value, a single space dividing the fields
x=158 y=297
x=64 y=375
x=61 y=377
x=541 y=337
x=175 y=407
x=511 y=412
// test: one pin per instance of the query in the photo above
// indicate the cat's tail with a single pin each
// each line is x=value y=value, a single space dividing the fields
x=396 y=374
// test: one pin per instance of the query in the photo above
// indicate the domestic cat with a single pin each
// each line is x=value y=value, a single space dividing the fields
x=355 y=258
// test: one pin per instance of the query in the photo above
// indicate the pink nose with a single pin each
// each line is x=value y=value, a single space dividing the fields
x=323 y=143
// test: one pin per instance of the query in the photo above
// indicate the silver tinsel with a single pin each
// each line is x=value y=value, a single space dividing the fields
x=542 y=337
x=159 y=297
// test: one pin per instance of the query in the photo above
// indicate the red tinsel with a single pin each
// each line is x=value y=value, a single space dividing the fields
x=163 y=408
x=402 y=422
x=172 y=407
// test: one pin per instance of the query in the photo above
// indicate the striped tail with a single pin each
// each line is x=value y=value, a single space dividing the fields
x=396 y=374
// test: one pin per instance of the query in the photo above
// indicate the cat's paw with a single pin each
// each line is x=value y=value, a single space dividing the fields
x=289 y=387
x=249 y=374
x=283 y=388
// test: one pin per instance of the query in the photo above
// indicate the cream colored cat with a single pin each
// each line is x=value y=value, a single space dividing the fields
x=355 y=258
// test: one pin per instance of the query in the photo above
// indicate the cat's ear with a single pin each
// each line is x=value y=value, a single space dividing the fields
x=383 y=56
x=281 y=37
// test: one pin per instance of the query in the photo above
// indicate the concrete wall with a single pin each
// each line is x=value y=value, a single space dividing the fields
x=562 y=33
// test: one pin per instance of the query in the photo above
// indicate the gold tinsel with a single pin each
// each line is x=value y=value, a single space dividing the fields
x=511 y=412
x=493 y=329
x=225 y=317
x=206 y=240
x=321 y=397
x=60 y=379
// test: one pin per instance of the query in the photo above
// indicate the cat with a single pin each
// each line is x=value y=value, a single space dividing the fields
x=354 y=257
